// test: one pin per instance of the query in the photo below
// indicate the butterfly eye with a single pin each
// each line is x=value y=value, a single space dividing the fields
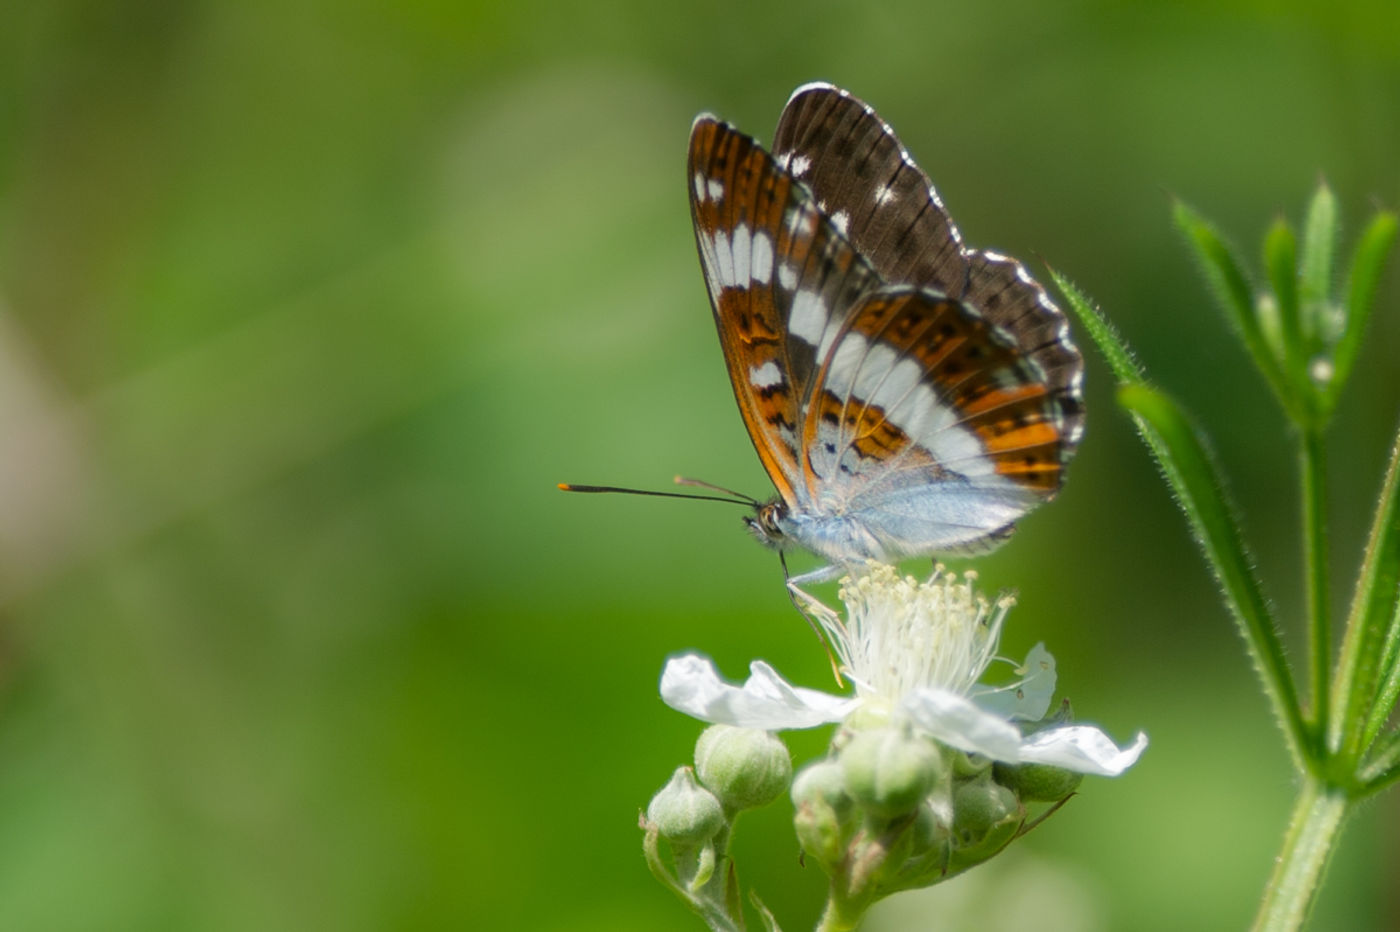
x=768 y=517
x=764 y=525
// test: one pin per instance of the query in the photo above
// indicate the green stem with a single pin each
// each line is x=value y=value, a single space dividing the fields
x=837 y=917
x=1312 y=835
x=1314 y=476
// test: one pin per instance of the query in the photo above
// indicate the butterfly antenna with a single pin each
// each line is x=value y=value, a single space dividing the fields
x=702 y=484
x=816 y=629
x=740 y=500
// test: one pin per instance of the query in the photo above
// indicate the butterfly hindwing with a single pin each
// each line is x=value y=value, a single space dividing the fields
x=927 y=421
x=1001 y=289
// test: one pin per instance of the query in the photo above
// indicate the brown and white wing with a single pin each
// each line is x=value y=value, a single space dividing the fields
x=888 y=209
x=781 y=280
x=928 y=427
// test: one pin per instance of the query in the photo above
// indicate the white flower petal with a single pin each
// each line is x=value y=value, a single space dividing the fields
x=691 y=684
x=1029 y=699
x=1081 y=748
x=958 y=722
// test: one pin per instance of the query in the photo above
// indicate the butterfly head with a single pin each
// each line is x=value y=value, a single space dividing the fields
x=766 y=524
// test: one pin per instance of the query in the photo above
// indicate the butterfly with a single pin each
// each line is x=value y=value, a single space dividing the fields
x=907 y=395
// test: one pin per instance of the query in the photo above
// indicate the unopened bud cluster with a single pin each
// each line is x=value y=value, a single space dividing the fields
x=890 y=809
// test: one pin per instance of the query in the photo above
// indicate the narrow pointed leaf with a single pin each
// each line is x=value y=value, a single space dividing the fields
x=1120 y=358
x=1386 y=696
x=770 y=922
x=1195 y=481
x=1371 y=630
x=1232 y=290
x=1319 y=243
x=1383 y=767
x=1367 y=266
x=1281 y=260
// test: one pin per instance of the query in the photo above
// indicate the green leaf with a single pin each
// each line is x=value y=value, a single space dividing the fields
x=1367 y=265
x=1195 y=481
x=1382 y=767
x=770 y=922
x=1236 y=298
x=1319 y=243
x=1386 y=697
x=1281 y=260
x=1115 y=350
x=733 y=901
x=1372 y=628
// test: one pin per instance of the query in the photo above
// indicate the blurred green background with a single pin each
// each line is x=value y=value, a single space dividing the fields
x=306 y=306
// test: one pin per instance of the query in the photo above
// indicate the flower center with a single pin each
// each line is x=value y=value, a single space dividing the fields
x=902 y=635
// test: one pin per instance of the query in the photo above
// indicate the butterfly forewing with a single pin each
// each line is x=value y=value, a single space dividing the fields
x=862 y=176
x=780 y=280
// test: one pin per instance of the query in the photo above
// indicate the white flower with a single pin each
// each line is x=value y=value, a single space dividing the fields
x=915 y=651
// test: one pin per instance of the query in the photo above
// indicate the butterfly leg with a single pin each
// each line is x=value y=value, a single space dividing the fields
x=820 y=575
x=821 y=620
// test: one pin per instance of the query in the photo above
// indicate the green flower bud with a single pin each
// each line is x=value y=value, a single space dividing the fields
x=931 y=828
x=990 y=845
x=685 y=812
x=1038 y=782
x=744 y=767
x=888 y=771
x=823 y=810
x=979 y=805
x=967 y=765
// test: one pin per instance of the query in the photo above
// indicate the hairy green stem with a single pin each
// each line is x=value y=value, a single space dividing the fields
x=1313 y=832
x=836 y=919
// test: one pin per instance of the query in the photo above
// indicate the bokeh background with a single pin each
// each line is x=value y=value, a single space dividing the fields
x=306 y=306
